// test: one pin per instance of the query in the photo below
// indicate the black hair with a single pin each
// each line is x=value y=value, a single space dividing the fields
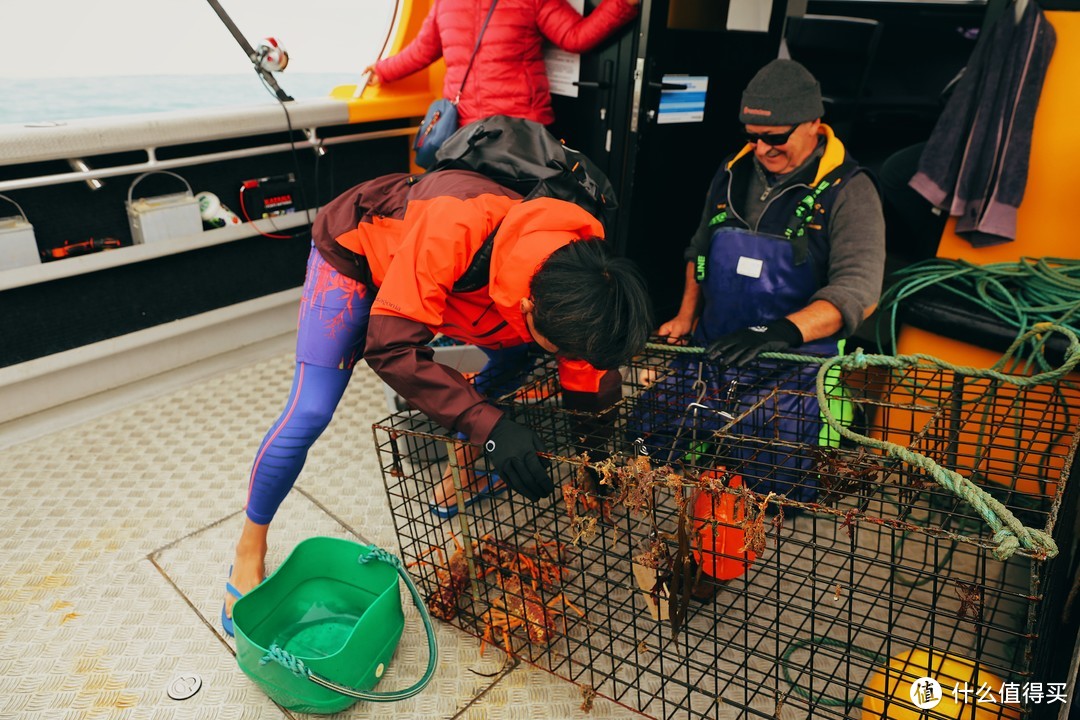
x=591 y=305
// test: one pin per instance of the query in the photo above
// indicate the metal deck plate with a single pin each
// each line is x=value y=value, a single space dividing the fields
x=118 y=536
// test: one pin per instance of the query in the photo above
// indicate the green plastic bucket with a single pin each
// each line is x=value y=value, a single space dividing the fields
x=319 y=633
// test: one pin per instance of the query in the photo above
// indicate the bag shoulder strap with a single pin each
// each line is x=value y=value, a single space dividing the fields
x=475 y=49
x=476 y=275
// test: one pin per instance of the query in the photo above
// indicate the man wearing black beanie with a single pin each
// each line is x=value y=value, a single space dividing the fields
x=813 y=269
x=789 y=254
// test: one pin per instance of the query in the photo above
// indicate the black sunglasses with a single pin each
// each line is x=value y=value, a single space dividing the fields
x=770 y=139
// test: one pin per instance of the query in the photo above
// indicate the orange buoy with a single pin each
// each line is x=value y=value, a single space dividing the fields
x=909 y=697
x=718 y=521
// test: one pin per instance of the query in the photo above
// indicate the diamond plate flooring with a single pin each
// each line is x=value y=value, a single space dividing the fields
x=117 y=535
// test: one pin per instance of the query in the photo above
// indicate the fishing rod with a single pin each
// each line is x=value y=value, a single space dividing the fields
x=269 y=55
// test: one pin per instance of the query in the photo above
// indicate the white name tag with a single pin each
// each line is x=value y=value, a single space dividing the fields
x=750 y=267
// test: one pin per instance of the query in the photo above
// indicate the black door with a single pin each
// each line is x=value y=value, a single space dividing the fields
x=661 y=170
x=595 y=121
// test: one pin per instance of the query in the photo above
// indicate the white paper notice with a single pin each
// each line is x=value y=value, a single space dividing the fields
x=686 y=105
x=751 y=15
x=750 y=267
x=563 y=68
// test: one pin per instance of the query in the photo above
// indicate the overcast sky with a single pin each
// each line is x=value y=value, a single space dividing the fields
x=67 y=38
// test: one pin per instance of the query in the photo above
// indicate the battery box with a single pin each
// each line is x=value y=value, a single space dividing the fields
x=162 y=217
x=463 y=358
x=269 y=196
x=18 y=246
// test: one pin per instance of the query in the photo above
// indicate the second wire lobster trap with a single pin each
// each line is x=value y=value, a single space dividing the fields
x=724 y=552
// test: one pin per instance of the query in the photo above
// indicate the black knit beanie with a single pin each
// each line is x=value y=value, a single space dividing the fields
x=782 y=93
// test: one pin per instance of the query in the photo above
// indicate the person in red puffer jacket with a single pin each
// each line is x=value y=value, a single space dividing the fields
x=508 y=76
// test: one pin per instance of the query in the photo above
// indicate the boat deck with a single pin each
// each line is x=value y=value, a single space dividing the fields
x=118 y=535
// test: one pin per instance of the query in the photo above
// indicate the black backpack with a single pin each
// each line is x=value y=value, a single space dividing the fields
x=523 y=156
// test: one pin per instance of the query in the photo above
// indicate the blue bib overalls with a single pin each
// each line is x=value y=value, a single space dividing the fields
x=763 y=420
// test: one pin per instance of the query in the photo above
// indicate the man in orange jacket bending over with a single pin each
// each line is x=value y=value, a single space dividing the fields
x=399 y=259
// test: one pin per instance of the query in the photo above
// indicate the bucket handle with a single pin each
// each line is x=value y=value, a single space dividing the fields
x=17 y=205
x=297 y=666
x=136 y=181
x=21 y=212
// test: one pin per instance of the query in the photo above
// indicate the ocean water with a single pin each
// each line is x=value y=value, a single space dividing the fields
x=33 y=100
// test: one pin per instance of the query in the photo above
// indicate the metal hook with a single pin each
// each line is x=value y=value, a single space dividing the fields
x=730 y=391
x=699 y=384
x=639 y=448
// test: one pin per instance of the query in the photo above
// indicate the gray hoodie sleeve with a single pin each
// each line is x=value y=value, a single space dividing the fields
x=857 y=251
x=699 y=243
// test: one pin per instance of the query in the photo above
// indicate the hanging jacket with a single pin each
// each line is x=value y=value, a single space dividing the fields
x=975 y=163
x=412 y=241
x=508 y=76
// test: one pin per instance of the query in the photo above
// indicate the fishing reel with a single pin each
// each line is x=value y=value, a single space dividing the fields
x=271 y=55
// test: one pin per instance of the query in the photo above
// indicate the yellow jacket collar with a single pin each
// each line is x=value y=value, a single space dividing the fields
x=834 y=153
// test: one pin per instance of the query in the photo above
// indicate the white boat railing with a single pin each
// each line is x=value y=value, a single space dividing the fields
x=78 y=139
x=37 y=142
x=312 y=140
x=67 y=387
x=70 y=267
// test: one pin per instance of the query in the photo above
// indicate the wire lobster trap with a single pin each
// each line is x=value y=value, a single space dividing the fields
x=792 y=540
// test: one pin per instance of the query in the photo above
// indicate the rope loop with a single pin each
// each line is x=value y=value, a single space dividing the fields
x=1019 y=295
x=377 y=553
x=857 y=360
x=1007 y=544
x=275 y=653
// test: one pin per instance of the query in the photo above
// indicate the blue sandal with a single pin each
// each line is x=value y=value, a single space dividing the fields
x=484 y=492
x=226 y=621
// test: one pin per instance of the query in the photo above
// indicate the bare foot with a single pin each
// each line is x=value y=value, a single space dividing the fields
x=444 y=493
x=249 y=563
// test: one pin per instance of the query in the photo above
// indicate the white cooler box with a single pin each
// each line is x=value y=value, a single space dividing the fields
x=163 y=217
x=18 y=246
x=464 y=359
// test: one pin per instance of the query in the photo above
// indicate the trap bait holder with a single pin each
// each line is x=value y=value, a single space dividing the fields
x=924 y=534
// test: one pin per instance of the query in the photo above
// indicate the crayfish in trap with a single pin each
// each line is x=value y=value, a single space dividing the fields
x=452 y=579
x=520 y=575
x=520 y=604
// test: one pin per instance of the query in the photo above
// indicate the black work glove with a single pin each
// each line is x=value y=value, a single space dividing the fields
x=740 y=347
x=512 y=449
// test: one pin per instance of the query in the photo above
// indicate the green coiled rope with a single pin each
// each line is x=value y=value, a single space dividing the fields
x=848 y=648
x=1019 y=294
